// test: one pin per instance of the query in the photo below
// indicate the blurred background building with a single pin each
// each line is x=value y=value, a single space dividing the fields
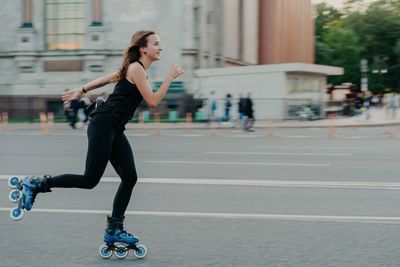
x=54 y=45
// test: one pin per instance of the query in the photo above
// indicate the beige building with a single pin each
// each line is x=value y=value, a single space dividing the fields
x=55 y=45
x=239 y=32
x=285 y=79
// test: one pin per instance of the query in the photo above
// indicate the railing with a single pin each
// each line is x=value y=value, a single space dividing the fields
x=176 y=109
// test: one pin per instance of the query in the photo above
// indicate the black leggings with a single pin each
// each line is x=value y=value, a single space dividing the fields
x=105 y=144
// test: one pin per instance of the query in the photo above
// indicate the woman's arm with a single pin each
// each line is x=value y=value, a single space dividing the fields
x=99 y=82
x=139 y=76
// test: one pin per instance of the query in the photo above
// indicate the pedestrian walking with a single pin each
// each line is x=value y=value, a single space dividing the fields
x=74 y=107
x=85 y=103
x=228 y=105
x=394 y=105
x=249 y=113
x=212 y=107
x=367 y=105
x=106 y=138
x=241 y=107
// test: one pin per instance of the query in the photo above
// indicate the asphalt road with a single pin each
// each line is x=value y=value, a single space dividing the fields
x=301 y=198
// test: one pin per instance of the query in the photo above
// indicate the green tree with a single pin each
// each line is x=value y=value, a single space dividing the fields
x=325 y=14
x=345 y=52
x=376 y=32
x=350 y=6
x=323 y=53
x=378 y=29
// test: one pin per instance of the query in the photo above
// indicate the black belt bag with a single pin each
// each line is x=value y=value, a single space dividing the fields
x=92 y=108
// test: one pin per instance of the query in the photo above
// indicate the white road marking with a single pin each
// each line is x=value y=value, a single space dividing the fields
x=257 y=183
x=23 y=134
x=298 y=136
x=239 y=163
x=280 y=154
x=356 y=137
x=274 y=183
x=314 y=147
x=138 y=134
x=240 y=136
x=243 y=216
x=37 y=132
x=190 y=135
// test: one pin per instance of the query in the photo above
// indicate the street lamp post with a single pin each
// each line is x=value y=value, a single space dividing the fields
x=364 y=73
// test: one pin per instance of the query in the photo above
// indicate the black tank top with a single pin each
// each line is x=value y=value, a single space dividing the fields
x=120 y=105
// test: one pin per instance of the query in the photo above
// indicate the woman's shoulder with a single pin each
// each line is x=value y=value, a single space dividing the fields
x=136 y=69
x=134 y=65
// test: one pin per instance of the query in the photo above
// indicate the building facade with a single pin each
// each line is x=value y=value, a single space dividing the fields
x=58 y=44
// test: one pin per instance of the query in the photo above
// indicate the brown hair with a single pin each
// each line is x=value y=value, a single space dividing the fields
x=132 y=54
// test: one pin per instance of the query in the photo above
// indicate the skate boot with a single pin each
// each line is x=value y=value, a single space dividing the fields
x=31 y=186
x=24 y=193
x=115 y=233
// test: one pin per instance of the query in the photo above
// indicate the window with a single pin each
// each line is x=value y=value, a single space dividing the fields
x=303 y=84
x=65 y=24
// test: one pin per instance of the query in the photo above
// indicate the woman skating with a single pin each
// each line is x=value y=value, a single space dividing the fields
x=106 y=138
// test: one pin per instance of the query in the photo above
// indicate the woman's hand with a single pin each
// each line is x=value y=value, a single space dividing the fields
x=70 y=95
x=174 y=72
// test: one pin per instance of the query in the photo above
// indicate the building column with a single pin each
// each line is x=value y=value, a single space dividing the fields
x=95 y=39
x=197 y=28
x=96 y=13
x=241 y=30
x=286 y=32
x=27 y=15
x=25 y=40
x=219 y=33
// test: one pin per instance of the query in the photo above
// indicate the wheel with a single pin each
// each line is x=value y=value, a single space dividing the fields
x=16 y=214
x=14 y=195
x=121 y=252
x=141 y=252
x=13 y=182
x=105 y=252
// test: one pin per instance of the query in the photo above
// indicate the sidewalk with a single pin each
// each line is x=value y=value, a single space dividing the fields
x=377 y=118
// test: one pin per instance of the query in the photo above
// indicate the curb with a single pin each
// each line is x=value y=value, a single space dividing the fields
x=203 y=126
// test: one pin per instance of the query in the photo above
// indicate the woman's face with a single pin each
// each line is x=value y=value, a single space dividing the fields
x=153 y=48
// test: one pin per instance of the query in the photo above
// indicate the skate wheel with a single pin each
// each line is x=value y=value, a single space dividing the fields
x=14 y=195
x=105 y=252
x=13 y=182
x=121 y=252
x=141 y=252
x=16 y=214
